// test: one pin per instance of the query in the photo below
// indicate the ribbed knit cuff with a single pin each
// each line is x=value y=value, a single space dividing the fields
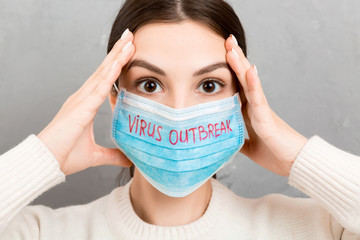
x=26 y=171
x=332 y=177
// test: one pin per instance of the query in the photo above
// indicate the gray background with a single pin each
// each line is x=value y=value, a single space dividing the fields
x=307 y=53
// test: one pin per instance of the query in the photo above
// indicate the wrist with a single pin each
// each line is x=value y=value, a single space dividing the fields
x=300 y=143
x=44 y=140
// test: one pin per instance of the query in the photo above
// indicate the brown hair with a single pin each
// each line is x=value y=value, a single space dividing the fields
x=217 y=14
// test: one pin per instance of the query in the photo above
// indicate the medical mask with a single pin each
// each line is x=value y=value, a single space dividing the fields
x=177 y=150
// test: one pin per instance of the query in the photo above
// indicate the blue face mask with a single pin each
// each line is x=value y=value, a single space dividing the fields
x=177 y=150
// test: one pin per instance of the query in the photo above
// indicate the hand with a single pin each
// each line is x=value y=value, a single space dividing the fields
x=272 y=143
x=70 y=135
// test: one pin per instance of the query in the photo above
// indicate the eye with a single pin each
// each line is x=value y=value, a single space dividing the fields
x=149 y=86
x=211 y=86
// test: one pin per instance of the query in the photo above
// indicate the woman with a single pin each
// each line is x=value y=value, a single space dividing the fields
x=157 y=60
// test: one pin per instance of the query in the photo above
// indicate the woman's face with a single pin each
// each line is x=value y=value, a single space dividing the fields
x=178 y=64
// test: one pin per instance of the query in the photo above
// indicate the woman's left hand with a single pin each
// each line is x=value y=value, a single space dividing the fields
x=272 y=143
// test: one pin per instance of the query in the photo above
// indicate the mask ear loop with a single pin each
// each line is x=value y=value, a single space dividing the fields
x=116 y=88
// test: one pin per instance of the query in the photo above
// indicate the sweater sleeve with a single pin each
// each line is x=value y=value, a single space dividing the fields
x=26 y=171
x=331 y=177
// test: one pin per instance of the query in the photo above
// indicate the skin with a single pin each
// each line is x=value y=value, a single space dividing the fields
x=69 y=136
x=192 y=46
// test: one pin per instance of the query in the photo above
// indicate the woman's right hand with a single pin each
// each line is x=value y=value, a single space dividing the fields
x=272 y=143
x=70 y=136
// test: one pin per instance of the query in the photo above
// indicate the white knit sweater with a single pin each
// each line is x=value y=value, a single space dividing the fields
x=328 y=175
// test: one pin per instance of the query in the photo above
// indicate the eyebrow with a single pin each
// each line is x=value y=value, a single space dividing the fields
x=153 y=68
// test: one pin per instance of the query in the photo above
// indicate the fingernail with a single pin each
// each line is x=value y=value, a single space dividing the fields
x=123 y=35
x=234 y=39
x=126 y=46
x=114 y=64
x=233 y=50
x=256 y=70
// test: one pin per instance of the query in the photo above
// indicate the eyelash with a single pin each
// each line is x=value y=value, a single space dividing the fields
x=144 y=79
x=221 y=83
x=141 y=80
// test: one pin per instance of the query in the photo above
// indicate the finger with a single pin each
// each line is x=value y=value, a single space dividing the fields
x=117 y=48
x=104 y=84
x=105 y=66
x=231 y=43
x=115 y=51
x=110 y=156
x=239 y=70
x=237 y=67
x=237 y=60
x=256 y=96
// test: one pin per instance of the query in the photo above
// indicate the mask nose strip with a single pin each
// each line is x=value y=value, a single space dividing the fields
x=116 y=88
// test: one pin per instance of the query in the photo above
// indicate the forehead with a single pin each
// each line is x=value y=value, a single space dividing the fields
x=187 y=43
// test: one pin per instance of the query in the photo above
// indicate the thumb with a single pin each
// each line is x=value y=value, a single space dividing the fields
x=245 y=149
x=111 y=156
x=256 y=96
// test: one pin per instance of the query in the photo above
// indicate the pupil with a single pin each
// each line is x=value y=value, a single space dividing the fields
x=208 y=86
x=150 y=86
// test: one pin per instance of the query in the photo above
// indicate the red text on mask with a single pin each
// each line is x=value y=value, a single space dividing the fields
x=214 y=130
x=144 y=127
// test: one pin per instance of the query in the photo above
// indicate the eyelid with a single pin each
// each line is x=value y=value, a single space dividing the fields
x=220 y=82
x=144 y=79
x=216 y=81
